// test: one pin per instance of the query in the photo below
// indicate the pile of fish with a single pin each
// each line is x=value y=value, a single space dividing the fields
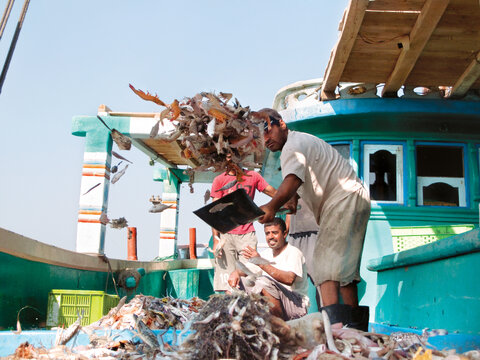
x=209 y=127
x=156 y=313
x=236 y=326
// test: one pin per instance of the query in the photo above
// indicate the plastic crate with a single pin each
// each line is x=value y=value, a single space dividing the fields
x=409 y=237
x=65 y=305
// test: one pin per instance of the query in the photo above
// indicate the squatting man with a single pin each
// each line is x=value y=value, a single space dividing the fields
x=283 y=276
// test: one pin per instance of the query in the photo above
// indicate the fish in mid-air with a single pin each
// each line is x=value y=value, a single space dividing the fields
x=158 y=208
x=119 y=223
x=114 y=168
x=93 y=187
x=118 y=156
x=228 y=185
x=119 y=174
x=123 y=142
x=206 y=196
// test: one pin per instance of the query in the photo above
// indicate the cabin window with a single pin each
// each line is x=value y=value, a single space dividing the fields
x=383 y=172
x=343 y=149
x=440 y=175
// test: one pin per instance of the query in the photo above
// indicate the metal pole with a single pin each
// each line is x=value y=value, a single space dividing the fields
x=13 y=44
x=193 y=243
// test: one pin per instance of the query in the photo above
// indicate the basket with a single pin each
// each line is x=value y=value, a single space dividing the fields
x=409 y=237
x=65 y=305
x=183 y=283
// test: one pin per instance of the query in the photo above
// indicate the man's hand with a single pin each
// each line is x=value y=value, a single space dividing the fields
x=291 y=205
x=234 y=279
x=250 y=252
x=269 y=213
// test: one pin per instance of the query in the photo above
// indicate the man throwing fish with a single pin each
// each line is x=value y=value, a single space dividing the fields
x=341 y=205
x=284 y=276
x=233 y=242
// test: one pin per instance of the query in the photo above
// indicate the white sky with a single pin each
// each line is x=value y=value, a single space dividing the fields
x=73 y=56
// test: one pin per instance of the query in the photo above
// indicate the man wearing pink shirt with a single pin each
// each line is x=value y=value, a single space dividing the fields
x=240 y=237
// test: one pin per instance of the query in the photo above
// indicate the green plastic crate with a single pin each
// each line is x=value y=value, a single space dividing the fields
x=408 y=237
x=63 y=306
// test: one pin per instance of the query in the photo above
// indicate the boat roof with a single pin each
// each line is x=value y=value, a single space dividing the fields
x=420 y=43
x=397 y=44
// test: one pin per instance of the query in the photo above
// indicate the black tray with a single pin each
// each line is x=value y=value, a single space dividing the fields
x=241 y=211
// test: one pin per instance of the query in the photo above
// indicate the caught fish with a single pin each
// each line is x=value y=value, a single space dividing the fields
x=64 y=336
x=119 y=223
x=145 y=334
x=114 y=168
x=119 y=174
x=123 y=142
x=228 y=185
x=251 y=276
x=219 y=207
x=118 y=156
x=158 y=208
x=220 y=244
x=209 y=126
x=104 y=218
x=155 y=128
x=93 y=187
x=258 y=260
x=206 y=196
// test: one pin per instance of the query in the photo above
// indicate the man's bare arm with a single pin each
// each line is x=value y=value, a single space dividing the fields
x=286 y=191
x=284 y=277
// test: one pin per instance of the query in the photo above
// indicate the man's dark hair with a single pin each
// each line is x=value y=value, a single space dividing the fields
x=277 y=221
x=274 y=116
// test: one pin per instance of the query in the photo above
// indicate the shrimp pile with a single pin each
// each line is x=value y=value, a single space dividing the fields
x=232 y=326
x=156 y=313
x=237 y=326
x=208 y=127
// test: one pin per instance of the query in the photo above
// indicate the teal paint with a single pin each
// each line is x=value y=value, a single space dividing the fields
x=440 y=294
x=456 y=245
x=473 y=159
x=399 y=108
x=183 y=283
x=205 y=283
x=98 y=137
x=431 y=286
x=152 y=284
x=18 y=277
x=411 y=173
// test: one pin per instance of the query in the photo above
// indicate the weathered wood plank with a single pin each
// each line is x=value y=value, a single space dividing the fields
x=467 y=79
x=399 y=5
x=341 y=52
x=421 y=31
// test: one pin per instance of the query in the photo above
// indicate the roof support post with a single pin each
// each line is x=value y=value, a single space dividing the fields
x=167 y=245
x=94 y=189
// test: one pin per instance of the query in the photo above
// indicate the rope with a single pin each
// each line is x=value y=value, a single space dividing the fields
x=5 y=16
x=174 y=256
x=110 y=272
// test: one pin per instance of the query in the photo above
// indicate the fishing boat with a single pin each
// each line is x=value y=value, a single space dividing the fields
x=400 y=99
